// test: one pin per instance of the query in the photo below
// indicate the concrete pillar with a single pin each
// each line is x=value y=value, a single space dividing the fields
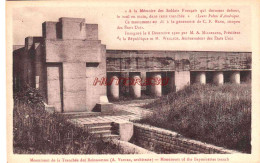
x=235 y=77
x=54 y=87
x=156 y=89
x=200 y=77
x=114 y=87
x=218 y=77
x=135 y=87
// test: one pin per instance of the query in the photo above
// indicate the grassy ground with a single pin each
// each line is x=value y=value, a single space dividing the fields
x=219 y=115
x=39 y=132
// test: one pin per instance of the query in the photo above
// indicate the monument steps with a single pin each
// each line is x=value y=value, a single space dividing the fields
x=97 y=124
x=101 y=133
x=74 y=115
x=110 y=137
x=101 y=129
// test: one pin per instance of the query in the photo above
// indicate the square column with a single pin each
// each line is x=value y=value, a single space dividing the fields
x=74 y=87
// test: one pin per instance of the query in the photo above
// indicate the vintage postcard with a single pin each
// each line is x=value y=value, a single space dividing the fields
x=125 y=81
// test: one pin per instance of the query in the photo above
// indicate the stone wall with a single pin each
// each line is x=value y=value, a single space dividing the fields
x=95 y=70
x=51 y=30
x=152 y=60
x=73 y=51
x=165 y=141
x=28 y=65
